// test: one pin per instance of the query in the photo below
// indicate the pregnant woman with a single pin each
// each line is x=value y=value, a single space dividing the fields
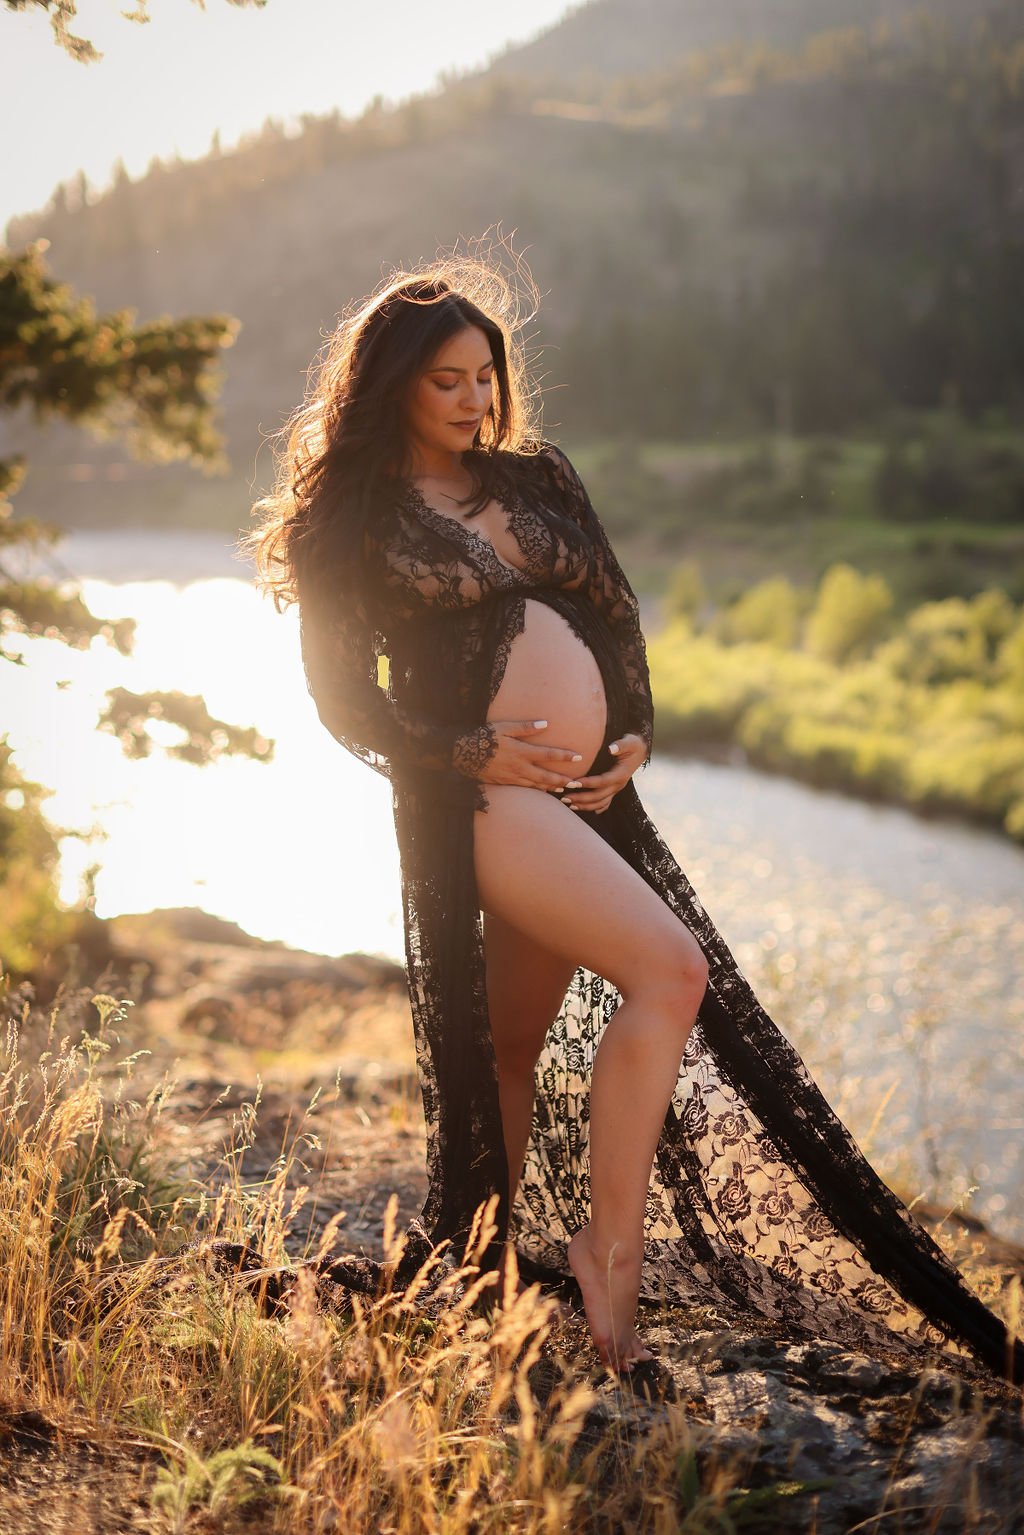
x=590 y=1055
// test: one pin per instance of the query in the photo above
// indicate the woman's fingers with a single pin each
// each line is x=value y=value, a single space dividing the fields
x=600 y=787
x=597 y=790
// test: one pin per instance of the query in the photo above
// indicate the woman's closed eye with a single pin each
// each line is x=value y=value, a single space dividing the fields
x=483 y=382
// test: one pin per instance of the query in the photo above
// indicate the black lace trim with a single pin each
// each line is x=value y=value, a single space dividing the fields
x=515 y=626
x=474 y=749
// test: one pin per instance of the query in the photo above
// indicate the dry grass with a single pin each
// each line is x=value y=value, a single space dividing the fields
x=385 y=1419
x=387 y=1416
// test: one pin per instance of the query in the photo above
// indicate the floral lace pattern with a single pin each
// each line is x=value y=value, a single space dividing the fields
x=761 y=1204
x=474 y=749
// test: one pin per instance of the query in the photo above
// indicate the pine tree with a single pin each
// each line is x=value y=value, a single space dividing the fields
x=152 y=385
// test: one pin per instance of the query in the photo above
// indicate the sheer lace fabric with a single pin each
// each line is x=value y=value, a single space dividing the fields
x=761 y=1203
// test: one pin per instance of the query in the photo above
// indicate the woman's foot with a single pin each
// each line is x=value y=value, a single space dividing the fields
x=610 y=1285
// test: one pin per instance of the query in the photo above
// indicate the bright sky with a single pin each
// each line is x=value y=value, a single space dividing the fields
x=169 y=84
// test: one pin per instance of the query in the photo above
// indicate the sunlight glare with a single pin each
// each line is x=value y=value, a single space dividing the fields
x=301 y=848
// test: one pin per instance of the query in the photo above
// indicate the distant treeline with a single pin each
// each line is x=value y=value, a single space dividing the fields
x=799 y=238
x=877 y=226
x=933 y=504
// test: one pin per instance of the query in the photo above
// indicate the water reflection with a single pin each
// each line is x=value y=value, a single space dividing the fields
x=889 y=949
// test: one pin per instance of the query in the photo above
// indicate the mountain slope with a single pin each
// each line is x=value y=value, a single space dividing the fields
x=625 y=37
x=805 y=240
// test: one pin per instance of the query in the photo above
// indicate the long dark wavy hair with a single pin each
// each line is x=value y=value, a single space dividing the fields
x=344 y=452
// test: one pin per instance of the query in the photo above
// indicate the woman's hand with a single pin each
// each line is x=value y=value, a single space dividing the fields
x=519 y=761
x=599 y=789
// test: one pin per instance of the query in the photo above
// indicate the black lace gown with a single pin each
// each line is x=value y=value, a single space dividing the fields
x=761 y=1204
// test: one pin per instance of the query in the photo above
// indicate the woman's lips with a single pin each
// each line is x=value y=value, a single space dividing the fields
x=465 y=426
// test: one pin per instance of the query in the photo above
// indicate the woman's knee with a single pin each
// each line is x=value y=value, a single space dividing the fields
x=671 y=976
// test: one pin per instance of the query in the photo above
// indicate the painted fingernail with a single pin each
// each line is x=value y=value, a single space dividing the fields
x=577 y=757
x=574 y=784
x=614 y=749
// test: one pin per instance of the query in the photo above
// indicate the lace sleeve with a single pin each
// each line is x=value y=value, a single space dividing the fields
x=340 y=662
x=611 y=594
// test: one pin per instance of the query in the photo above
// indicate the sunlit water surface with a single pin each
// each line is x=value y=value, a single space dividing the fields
x=889 y=949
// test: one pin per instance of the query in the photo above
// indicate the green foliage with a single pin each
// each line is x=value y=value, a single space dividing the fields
x=686 y=594
x=943 y=641
x=56 y=612
x=32 y=924
x=937 y=466
x=633 y=495
x=201 y=737
x=798 y=505
x=769 y=611
x=1010 y=658
x=845 y=242
x=154 y=385
x=151 y=384
x=931 y=716
x=849 y=615
x=230 y=1477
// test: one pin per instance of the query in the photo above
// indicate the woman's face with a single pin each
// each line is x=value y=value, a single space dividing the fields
x=453 y=394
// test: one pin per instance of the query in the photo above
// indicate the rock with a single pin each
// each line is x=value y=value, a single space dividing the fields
x=876 y=1436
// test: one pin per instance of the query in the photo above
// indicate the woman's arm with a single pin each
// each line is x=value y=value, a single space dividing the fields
x=341 y=675
x=611 y=594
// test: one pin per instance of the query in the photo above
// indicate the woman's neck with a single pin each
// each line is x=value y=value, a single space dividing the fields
x=437 y=464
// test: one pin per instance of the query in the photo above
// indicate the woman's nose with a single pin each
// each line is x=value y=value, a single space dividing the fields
x=476 y=398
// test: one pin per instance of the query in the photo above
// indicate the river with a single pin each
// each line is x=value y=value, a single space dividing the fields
x=888 y=948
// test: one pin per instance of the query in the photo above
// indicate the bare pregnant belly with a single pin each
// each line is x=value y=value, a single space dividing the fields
x=551 y=675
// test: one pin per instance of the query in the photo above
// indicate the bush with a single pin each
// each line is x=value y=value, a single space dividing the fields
x=770 y=611
x=850 y=614
x=1009 y=664
x=686 y=594
x=954 y=638
x=939 y=468
x=33 y=924
x=933 y=717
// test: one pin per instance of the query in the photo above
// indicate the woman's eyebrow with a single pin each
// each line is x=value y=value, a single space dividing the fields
x=488 y=364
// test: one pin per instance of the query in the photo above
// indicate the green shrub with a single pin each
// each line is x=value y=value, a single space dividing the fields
x=849 y=615
x=686 y=593
x=942 y=641
x=770 y=611
x=939 y=467
x=932 y=718
x=32 y=923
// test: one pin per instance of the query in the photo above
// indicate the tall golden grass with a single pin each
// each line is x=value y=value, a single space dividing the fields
x=383 y=1416
x=383 y=1419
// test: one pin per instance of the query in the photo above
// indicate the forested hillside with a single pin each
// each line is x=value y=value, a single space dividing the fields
x=802 y=234
x=621 y=37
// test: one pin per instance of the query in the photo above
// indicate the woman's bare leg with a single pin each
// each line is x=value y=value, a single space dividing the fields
x=550 y=876
x=526 y=985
